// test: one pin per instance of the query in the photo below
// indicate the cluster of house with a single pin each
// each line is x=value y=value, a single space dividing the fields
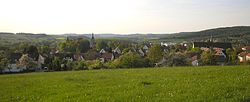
x=219 y=48
x=15 y=57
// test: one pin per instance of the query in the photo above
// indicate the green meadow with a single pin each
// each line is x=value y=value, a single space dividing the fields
x=175 y=84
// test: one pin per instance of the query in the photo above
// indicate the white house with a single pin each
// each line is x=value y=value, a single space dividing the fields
x=117 y=50
x=102 y=51
x=243 y=56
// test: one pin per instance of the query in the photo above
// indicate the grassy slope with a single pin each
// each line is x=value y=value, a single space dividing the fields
x=154 y=84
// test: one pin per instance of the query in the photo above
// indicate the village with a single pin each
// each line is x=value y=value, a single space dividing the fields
x=131 y=56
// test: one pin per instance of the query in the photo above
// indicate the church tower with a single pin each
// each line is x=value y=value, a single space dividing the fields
x=92 y=41
x=211 y=38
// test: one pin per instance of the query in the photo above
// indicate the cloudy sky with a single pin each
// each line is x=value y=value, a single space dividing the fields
x=120 y=16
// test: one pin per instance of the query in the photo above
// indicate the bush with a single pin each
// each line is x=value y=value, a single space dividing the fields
x=70 y=65
x=95 y=64
x=130 y=60
x=81 y=65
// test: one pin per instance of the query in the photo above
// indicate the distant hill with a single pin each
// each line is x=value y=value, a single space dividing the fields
x=221 y=34
x=226 y=34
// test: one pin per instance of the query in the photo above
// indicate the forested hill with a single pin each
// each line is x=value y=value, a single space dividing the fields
x=226 y=33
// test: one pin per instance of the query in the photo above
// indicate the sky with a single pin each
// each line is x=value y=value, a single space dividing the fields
x=120 y=16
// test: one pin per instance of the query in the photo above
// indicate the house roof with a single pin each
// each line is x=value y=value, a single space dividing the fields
x=107 y=55
x=102 y=51
x=242 y=54
x=248 y=55
x=117 y=50
x=212 y=44
x=247 y=48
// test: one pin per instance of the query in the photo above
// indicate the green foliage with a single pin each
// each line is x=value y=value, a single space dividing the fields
x=155 y=53
x=32 y=51
x=70 y=65
x=95 y=64
x=178 y=84
x=207 y=58
x=196 y=50
x=231 y=56
x=56 y=64
x=79 y=45
x=130 y=60
x=177 y=60
x=26 y=61
x=44 y=49
x=101 y=44
x=80 y=65
x=238 y=34
x=3 y=62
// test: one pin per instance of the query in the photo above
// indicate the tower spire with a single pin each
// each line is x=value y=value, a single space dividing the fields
x=92 y=41
x=92 y=36
x=211 y=38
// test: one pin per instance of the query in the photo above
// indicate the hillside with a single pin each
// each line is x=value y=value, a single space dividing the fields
x=9 y=39
x=191 y=84
x=227 y=34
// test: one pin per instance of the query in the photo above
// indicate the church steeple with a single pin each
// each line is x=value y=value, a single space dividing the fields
x=67 y=38
x=92 y=41
x=211 y=38
x=92 y=36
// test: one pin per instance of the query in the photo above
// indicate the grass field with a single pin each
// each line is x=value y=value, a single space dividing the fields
x=228 y=84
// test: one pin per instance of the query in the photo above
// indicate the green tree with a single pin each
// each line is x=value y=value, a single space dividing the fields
x=79 y=45
x=44 y=49
x=70 y=65
x=177 y=60
x=231 y=56
x=96 y=64
x=81 y=65
x=3 y=62
x=155 y=53
x=32 y=52
x=26 y=61
x=101 y=44
x=207 y=58
x=83 y=45
x=130 y=60
x=196 y=50
x=56 y=64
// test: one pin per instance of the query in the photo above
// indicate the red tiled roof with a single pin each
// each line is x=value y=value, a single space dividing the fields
x=248 y=55
x=247 y=47
x=243 y=54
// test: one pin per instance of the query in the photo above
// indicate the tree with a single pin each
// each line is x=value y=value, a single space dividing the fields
x=196 y=50
x=56 y=64
x=207 y=58
x=231 y=56
x=95 y=64
x=26 y=61
x=22 y=47
x=44 y=49
x=80 y=65
x=3 y=62
x=79 y=45
x=130 y=60
x=83 y=45
x=32 y=52
x=70 y=65
x=101 y=44
x=177 y=60
x=155 y=53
